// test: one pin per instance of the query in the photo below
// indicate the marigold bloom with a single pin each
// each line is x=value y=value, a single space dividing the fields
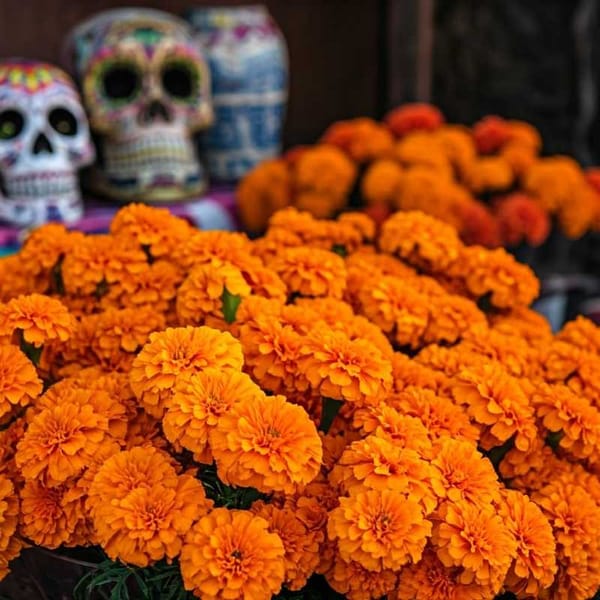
x=422 y=150
x=10 y=545
x=535 y=563
x=525 y=323
x=458 y=145
x=519 y=157
x=199 y=401
x=49 y=517
x=489 y=174
x=156 y=230
x=421 y=240
x=582 y=333
x=15 y=279
x=451 y=317
x=98 y=260
x=357 y=583
x=262 y=191
x=326 y=171
x=39 y=318
x=175 y=352
x=407 y=372
x=439 y=414
x=475 y=538
x=465 y=475
x=311 y=272
x=268 y=444
x=345 y=369
x=429 y=579
x=415 y=116
x=478 y=225
x=379 y=529
x=377 y=463
x=301 y=545
x=200 y=295
x=381 y=182
x=497 y=273
x=363 y=139
x=232 y=555
x=19 y=381
x=491 y=133
x=522 y=219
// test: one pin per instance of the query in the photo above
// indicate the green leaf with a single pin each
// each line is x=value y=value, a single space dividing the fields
x=340 y=249
x=32 y=352
x=553 y=439
x=329 y=411
x=230 y=304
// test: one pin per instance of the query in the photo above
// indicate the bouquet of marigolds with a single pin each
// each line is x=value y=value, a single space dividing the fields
x=489 y=181
x=322 y=412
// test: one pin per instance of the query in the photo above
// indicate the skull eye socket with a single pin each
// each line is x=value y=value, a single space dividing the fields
x=63 y=121
x=121 y=82
x=11 y=124
x=180 y=80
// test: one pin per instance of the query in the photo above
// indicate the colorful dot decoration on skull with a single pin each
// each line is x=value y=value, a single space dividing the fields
x=44 y=141
x=146 y=86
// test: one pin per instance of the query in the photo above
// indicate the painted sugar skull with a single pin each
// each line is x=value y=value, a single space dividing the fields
x=146 y=87
x=44 y=140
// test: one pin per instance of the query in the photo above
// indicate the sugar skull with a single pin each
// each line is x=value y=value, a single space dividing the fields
x=146 y=87
x=44 y=140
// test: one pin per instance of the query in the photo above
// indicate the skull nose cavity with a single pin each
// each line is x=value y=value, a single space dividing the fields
x=155 y=111
x=42 y=144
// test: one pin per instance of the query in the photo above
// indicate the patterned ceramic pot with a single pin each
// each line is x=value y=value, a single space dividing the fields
x=249 y=72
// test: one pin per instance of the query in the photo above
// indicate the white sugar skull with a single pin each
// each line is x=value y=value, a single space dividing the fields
x=44 y=140
x=147 y=91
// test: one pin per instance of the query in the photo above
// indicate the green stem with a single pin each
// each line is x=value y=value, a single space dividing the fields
x=230 y=304
x=330 y=409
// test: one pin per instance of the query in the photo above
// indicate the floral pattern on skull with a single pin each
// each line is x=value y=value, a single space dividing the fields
x=146 y=87
x=44 y=141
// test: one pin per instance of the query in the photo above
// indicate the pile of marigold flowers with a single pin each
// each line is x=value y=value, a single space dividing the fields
x=326 y=408
x=489 y=181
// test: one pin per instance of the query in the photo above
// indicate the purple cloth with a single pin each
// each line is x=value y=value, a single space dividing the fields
x=214 y=210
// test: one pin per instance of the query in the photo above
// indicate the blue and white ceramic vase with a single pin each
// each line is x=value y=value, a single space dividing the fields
x=248 y=59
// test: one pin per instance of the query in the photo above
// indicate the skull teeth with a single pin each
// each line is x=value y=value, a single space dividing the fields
x=39 y=185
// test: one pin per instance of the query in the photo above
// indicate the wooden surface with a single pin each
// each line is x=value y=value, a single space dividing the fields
x=335 y=49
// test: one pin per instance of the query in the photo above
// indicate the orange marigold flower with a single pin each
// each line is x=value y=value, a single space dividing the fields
x=98 y=260
x=582 y=333
x=379 y=529
x=301 y=545
x=262 y=191
x=491 y=133
x=524 y=134
x=19 y=381
x=381 y=182
x=377 y=463
x=201 y=294
x=407 y=372
x=421 y=240
x=423 y=151
x=497 y=273
x=535 y=564
x=414 y=116
x=402 y=430
x=451 y=317
x=489 y=174
x=150 y=523
x=476 y=539
x=440 y=416
x=521 y=218
x=266 y=443
x=497 y=402
x=311 y=271
x=9 y=518
x=49 y=517
x=397 y=308
x=525 y=323
x=357 y=583
x=326 y=171
x=172 y=354
x=232 y=554
x=15 y=280
x=272 y=354
x=39 y=318
x=154 y=229
x=206 y=246
x=363 y=139
x=520 y=157
x=345 y=369
x=478 y=225
x=429 y=579
x=60 y=442
x=466 y=475
x=458 y=145
x=197 y=403
x=570 y=415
